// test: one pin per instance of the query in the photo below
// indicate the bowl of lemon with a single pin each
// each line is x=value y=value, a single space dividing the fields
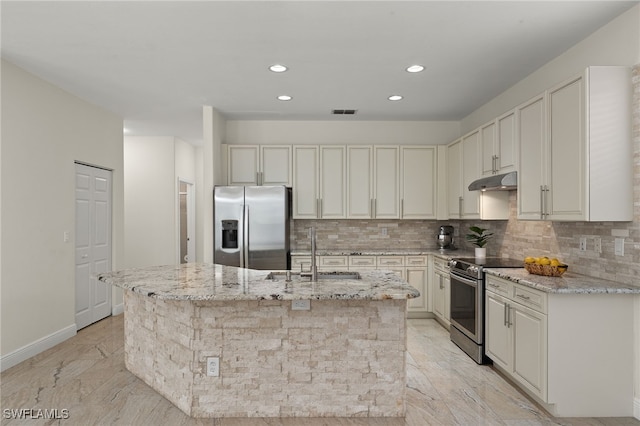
x=545 y=266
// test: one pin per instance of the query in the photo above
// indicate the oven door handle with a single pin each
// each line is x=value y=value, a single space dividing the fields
x=470 y=282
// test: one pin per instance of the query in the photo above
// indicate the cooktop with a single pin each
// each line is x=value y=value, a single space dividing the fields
x=491 y=262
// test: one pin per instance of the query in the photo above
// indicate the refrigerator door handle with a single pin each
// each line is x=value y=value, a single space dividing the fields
x=245 y=237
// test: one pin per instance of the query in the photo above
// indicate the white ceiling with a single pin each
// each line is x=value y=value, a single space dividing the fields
x=156 y=63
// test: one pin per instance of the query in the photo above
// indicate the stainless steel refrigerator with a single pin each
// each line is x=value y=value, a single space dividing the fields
x=251 y=226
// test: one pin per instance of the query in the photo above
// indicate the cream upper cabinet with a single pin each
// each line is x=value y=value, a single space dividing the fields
x=276 y=165
x=306 y=162
x=418 y=182
x=259 y=165
x=454 y=179
x=498 y=143
x=319 y=182
x=531 y=132
x=586 y=165
x=386 y=202
x=333 y=180
x=470 y=172
x=359 y=182
x=243 y=164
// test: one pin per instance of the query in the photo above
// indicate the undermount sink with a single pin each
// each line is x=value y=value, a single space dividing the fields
x=335 y=275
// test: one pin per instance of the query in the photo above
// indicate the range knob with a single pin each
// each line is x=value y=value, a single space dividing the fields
x=473 y=270
x=452 y=263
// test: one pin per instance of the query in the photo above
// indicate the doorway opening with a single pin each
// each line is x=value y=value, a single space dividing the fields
x=186 y=222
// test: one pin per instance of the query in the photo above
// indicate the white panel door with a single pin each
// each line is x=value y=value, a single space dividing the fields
x=92 y=243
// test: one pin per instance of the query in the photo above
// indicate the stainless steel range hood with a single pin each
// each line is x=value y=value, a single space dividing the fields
x=504 y=182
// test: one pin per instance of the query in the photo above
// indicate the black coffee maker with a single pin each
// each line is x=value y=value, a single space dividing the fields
x=445 y=238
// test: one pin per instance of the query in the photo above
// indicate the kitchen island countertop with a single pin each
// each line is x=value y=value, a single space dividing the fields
x=201 y=281
x=569 y=283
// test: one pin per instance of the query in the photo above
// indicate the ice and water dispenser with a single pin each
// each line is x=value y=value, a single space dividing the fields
x=229 y=234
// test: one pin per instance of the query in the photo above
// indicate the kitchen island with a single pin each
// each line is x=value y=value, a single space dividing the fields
x=343 y=355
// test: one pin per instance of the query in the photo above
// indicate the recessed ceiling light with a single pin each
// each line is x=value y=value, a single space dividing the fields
x=284 y=98
x=395 y=97
x=415 y=68
x=278 y=68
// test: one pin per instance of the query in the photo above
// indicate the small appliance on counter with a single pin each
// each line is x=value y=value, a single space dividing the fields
x=445 y=238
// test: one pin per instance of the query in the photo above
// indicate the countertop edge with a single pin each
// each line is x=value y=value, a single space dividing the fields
x=569 y=283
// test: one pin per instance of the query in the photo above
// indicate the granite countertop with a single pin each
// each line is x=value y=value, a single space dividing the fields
x=201 y=281
x=388 y=252
x=569 y=283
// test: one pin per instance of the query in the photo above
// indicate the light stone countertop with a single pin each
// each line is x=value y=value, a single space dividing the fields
x=201 y=281
x=390 y=252
x=568 y=283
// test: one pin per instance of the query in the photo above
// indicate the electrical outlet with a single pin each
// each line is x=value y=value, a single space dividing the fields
x=300 y=305
x=619 y=247
x=383 y=231
x=583 y=243
x=213 y=366
x=597 y=245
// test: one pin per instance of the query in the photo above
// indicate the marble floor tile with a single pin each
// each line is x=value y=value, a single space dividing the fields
x=87 y=376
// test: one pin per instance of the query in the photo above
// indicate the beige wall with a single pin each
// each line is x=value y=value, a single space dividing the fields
x=44 y=131
x=617 y=43
x=153 y=166
x=341 y=132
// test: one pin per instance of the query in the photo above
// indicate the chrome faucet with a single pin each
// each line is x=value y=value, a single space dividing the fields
x=313 y=274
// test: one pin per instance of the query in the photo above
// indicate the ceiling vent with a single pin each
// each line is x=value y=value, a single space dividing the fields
x=344 y=111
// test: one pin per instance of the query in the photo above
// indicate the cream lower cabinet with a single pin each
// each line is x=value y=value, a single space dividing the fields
x=413 y=269
x=440 y=291
x=516 y=335
x=571 y=352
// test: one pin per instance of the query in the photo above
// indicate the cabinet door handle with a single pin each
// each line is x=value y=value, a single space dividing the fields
x=504 y=314
x=401 y=208
x=460 y=206
x=541 y=201
x=371 y=207
x=523 y=297
x=497 y=163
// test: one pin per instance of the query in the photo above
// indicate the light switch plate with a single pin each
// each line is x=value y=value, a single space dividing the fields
x=300 y=305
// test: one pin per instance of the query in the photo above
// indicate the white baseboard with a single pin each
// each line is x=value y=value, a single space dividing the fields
x=117 y=309
x=636 y=408
x=34 y=348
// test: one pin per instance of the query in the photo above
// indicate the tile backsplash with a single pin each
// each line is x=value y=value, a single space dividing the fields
x=514 y=238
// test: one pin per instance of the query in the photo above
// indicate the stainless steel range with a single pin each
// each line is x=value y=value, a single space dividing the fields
x=467 y=301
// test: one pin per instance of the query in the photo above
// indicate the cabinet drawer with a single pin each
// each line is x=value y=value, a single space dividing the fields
x=415 y=261
x=390 y=261
x=441 y=264
x=297 y=261
x=499 y=286
x=362 y=261
x=529 y=297
x=332 y=261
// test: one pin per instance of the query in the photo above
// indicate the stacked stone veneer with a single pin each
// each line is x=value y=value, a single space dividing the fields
x=514 y=238
x=341 y=358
